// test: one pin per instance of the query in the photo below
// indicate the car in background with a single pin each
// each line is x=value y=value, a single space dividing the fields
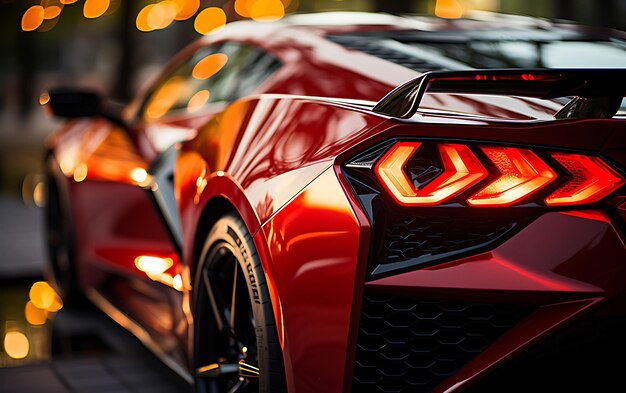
x=358 y=202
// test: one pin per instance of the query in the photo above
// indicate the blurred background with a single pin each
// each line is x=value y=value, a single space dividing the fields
x=116 y=46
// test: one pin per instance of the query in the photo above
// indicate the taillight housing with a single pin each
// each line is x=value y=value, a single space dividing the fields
x=503 y=176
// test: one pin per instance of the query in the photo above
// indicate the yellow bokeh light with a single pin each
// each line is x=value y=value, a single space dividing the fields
x=33 y=18
x=209 y=66
x=153 y=265
x=68 y=1
x=51 y=12
x=42 y=295
x=165 y=97
x=198 y=100
x=267 y=10
x=16 y=345
x=35 y=315
x=210 y=20
x=95 y=8
x=449 y=9
x=80 y=173
x=188 y=8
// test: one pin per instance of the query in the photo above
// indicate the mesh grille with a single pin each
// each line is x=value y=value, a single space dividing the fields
x=406 y=238
x=409 y=345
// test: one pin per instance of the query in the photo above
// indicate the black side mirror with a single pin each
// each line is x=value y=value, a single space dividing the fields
x=73 y=103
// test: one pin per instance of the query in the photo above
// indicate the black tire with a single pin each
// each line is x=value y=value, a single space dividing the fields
x=228 y=252
x=60 y=243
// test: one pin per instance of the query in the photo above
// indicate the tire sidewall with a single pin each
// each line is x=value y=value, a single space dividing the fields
x=231 y=230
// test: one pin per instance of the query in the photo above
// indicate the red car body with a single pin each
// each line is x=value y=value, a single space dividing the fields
x=281 y=164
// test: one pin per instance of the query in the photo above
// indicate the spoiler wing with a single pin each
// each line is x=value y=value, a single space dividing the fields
x=597 y=93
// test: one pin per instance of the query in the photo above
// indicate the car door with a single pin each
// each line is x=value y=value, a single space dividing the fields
x=146 y=281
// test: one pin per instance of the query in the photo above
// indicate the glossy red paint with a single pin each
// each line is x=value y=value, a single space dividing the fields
x=314 y=248
x=277 y=161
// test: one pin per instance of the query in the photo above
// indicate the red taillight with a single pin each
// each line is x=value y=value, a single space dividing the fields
x=427 y=174
x=522 y=173
x=591 y=180
x=461 y=170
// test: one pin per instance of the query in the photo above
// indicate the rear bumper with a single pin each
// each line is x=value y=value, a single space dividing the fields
x=561 y=267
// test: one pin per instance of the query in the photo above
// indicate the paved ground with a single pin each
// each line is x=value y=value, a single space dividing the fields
x=80 y=350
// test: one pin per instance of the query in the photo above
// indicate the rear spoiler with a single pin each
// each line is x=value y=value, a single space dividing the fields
x=597 y=93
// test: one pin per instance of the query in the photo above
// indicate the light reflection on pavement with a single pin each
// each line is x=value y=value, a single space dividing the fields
x=76 y=349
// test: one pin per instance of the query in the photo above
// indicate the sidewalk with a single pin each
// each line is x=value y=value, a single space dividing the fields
x=22 y=250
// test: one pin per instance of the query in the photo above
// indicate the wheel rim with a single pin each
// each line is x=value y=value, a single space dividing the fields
x=227 y=358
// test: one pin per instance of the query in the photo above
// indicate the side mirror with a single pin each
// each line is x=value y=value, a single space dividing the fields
x=73 y=103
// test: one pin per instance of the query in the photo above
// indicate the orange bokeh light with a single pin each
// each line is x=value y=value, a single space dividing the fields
x=198 y=100
x=42 y=295
x=95 y=8
x=267 y=10
x=68 y=1
x=187 y=9
x=142 y=18
x=210 y=20
x=35 y=315
x=33 y=18
x=209 y=66
x=51 y=12
x=165 y=97
x=449 y=9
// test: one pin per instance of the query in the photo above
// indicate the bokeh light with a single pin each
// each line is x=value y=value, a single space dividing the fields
x=35 y=315
x=198 y=100
x=33 y=18
x=42 y=295
x=267 y=10
x=51 y=12
x=161 y=15
x=165 y=97
x=449 y=9
x=142 y=18
x=95 y=8
x=16 y=345
x=153 y=265
x=209 y=66
x=210 y=20
x=80 y=173
x=68 y=1
x=188 y=8
x=177 y=282
x=242 y=7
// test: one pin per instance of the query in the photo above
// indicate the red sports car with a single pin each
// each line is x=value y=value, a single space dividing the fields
x=280 y=210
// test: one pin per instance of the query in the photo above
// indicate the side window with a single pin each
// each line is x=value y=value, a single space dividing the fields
x=214 y=74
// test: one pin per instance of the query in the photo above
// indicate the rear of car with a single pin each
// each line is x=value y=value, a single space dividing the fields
x=491 y=240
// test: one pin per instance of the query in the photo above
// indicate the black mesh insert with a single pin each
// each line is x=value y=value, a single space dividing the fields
x=410 y=345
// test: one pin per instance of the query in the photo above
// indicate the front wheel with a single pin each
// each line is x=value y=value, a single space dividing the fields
x=236 y=344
